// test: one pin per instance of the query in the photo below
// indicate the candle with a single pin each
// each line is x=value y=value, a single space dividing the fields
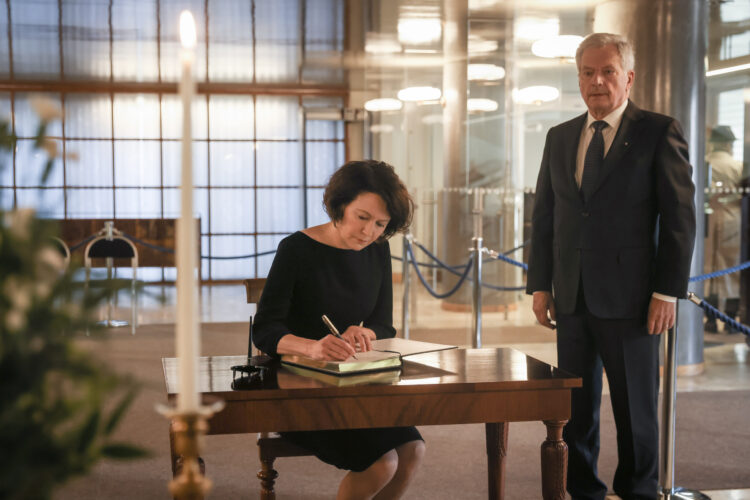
x=188 y=335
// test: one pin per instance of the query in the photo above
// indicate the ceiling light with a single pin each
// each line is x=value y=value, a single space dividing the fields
x=536 y=94
x=419 y=94
x=488 y=72
x=557 y=46
x=730 y=69
x=381 y=128
x=383 y=104
x=419 y=30
x=535 y=28
x=379 y=44
x=475 y=105
x=478 y=45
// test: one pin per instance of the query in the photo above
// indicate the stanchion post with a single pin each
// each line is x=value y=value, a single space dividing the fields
x=476 y=295
x=405 y=279
x=667 y=490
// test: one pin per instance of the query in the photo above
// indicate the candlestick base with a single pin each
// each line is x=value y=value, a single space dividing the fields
x=188 y=428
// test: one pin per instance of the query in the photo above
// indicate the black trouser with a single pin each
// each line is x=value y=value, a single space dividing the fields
x=630 y=357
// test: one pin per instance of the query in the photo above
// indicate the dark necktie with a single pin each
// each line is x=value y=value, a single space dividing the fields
x=593 y=161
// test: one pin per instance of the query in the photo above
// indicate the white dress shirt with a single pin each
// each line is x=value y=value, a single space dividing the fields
x=613 y=123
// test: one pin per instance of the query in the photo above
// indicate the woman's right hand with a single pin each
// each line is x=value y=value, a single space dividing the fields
x=331 y=347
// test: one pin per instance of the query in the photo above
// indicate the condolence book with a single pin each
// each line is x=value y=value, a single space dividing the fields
x=386 y=354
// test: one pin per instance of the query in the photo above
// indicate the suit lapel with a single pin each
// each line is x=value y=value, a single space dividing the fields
x=622 y=142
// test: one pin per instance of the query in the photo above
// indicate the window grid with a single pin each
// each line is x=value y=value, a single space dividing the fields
x=110 y=89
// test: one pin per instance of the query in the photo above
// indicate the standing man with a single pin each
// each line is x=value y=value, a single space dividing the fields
x=612 y=238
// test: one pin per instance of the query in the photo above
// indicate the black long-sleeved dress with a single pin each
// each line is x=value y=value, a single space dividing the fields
x=308 y=279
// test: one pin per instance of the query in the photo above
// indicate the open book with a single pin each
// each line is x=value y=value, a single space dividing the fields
x=386 y=354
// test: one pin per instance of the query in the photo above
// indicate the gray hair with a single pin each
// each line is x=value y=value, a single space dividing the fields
x=598 y=40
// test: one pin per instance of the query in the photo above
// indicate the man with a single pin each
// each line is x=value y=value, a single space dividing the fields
x=612 y=238
x=723 y=242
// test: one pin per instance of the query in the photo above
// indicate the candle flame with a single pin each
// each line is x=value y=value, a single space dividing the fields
x=187 y=29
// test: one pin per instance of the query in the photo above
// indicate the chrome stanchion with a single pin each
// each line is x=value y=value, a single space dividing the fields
x=476 y=294
x=405 y=278
x=109 y=233
x=667 y=490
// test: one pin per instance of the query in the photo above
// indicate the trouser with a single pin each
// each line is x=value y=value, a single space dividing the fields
x=630 y=357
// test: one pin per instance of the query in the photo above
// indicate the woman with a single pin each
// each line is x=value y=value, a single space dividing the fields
x=343 y=269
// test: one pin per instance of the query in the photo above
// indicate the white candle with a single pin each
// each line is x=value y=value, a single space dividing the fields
x=188 y=334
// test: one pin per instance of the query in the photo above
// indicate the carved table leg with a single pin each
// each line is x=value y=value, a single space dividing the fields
x=554 y=461
x=267 y=475
x=496 y=435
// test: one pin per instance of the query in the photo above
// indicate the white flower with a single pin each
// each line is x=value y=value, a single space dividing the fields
x=46 y=108
x=19 y=222
x=50 y=146
x=15 y=320
x=18 y=293
x=48 y=259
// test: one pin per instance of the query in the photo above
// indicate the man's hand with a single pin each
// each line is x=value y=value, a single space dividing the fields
x=660 y=316
x=542 y=305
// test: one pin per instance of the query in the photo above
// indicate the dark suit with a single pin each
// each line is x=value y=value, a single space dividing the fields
x=602 y=259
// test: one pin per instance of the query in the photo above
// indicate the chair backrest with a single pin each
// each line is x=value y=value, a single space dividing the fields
x=254 y=288
x=117 y=248
x=61 y=247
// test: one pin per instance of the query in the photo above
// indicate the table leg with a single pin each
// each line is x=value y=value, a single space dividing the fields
x=554 y=461
x=496 y=435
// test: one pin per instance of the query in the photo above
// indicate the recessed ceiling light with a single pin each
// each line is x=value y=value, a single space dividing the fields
x=535 y=94
x=478 y=45
x=419 y=94
x=488 y=72
x=481 y=104
x=383 y=104
x=419 y=30
x=557 y=46
x=376 y=44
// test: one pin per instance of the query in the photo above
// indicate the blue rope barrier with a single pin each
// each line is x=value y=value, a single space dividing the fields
x=722 y=272
x=423 y=264
x=502 y=257
x=78 y=245
x=452 y=270
x=508 y=252
x=209 y=257
x=424 y=282
x=713 y=312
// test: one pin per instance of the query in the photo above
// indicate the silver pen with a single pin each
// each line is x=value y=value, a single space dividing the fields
x=333 y=329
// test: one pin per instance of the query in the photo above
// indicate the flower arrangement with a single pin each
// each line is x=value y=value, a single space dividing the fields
x=53 y=394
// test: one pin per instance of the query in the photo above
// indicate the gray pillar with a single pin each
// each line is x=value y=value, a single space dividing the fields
x=456 y=227
x=670 y=46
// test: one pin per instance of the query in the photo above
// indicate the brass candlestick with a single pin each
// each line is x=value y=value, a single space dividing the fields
x=188 y=429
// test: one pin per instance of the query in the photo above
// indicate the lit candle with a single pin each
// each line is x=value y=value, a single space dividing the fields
x=188 y=335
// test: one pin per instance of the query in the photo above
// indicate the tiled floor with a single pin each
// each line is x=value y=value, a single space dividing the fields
x=727 y=364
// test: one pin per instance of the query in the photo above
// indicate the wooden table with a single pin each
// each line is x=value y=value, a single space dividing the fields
x=457 y=386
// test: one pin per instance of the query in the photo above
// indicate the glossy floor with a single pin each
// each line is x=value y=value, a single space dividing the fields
x=727 y=363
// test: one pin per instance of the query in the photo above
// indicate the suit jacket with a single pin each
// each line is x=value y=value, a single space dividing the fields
x=635 y=234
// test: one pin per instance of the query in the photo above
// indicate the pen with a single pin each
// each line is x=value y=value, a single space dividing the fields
x=333 y=329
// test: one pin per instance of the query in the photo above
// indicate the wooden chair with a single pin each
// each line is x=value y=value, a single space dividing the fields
x=270 y=445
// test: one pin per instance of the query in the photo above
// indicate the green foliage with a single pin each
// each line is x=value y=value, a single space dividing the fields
x=59 y=406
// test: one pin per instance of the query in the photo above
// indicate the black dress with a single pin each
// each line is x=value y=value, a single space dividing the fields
x=308 y=279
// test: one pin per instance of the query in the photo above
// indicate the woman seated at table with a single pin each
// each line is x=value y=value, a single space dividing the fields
x=343 y=269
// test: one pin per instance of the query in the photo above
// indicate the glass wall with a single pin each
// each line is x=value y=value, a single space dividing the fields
x=727 y=149
x=261 y=153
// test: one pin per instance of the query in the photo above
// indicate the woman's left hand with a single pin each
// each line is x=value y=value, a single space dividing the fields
x=359 y=336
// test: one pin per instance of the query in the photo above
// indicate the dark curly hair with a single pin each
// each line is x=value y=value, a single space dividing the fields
x=369 y=176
